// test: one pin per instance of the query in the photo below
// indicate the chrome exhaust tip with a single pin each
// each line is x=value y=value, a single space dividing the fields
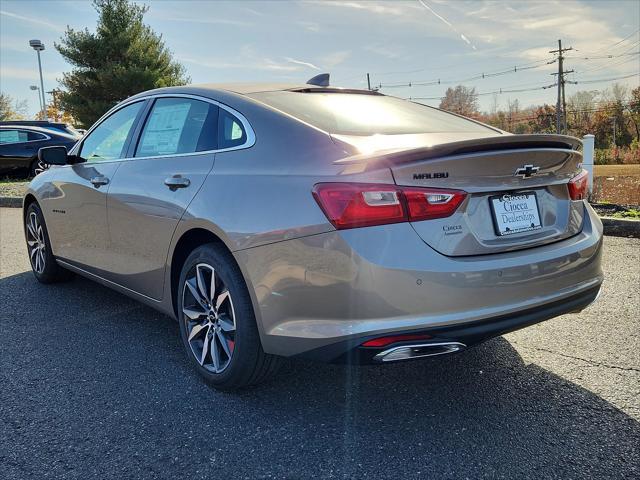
x=406 y=352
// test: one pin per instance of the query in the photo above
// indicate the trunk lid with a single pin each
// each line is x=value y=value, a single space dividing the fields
x=493 y=170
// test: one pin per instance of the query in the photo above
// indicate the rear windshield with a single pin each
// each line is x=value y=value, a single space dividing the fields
x=364 y=114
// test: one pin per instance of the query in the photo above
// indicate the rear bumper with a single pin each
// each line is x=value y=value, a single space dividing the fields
x=465 y=335
x=321 y=296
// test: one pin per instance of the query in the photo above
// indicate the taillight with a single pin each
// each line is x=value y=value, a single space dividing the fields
x=578 y=186
x=351 y=205
x=426 y=204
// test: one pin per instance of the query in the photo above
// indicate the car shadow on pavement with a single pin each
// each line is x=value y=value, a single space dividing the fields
x=95 y=382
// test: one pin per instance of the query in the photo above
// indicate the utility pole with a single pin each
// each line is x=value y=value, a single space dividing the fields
x=54 y=95
x=368 y=82
x=561 y=104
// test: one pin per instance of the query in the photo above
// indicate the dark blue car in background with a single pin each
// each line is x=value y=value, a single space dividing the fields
x=20 y=142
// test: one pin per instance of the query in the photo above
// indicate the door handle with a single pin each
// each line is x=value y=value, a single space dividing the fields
x=177 y=181
x=99 y=181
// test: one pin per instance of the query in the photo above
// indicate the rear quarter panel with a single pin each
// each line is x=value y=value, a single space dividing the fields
x=263 y=194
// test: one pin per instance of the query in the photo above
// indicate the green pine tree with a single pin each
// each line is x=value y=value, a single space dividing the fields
x=123 y=57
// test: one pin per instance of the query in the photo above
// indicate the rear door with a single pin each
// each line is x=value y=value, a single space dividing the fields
x=76 y=202
x=167 y=165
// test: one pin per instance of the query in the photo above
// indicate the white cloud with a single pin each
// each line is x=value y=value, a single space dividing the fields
x=16 y=44
x=265 y=64
x=387 y=8
x=28 y=74
x=37 y=21
x=300 y=62
x=385 y=51
x=204 y=19
x=330 y=60
x=253 y=12
x=309 y=26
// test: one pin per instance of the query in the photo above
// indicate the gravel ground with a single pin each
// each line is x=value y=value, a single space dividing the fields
x=95 y=385
x=11 y=188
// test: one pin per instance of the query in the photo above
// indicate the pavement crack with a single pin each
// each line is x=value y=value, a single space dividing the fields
x=573 y=357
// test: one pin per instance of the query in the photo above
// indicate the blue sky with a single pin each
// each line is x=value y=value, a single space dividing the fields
x=395 y=41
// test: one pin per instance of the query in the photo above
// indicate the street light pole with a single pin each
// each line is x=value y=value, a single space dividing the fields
x=37 y=88
x=38 y=46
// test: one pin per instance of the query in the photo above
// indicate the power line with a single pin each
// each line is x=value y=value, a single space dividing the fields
x=584 y=82
x=495 y=92
x=472 y=62
x=542 y=87
x=602 y=56
x=617 y=43
x=608 y=66
x=518 y=68
x=551 y=114
x=479 y=76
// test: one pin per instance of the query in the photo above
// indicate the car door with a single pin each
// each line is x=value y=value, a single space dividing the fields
x=150 y=192
x=77 y=202
x=17 y=149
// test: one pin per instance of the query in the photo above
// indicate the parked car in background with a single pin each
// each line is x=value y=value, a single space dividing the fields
x=308 y=221
x=49 y=125
x=19 y=145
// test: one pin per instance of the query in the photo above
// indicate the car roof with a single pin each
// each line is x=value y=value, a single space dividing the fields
x=34 y=123
x=246 y=88
x=249 y=88
x=47 y=131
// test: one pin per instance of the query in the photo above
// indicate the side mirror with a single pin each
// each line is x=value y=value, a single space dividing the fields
x=53 y=155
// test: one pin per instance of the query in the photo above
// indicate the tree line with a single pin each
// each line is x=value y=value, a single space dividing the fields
x=612 y=115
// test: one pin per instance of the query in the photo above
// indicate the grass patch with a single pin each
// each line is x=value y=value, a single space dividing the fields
x=13 y=188
x=616 y=170
x=632 y=213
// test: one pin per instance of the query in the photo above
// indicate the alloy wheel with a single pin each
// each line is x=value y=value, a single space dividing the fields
x=209 y=318
x=36 y=242
x=39 y=168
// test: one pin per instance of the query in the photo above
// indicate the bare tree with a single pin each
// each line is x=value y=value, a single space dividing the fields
x=581 y=106
x=11 y=109
x=461 y=100
x=495 y=104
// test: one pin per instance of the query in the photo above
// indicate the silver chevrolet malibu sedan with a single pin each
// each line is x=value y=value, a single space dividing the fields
x=309 y=221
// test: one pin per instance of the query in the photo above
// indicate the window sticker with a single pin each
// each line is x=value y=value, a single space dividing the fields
x=164 y=129
x=12 y=136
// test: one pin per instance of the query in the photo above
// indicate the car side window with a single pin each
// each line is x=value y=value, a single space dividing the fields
x=178 y=125
x=107 y=140
x=35 y=136
x=231 y=133
x=13 y=136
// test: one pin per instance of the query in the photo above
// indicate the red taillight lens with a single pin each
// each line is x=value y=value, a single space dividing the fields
x=426 y=204
x=578 y=186
x=384 y=341
x=350 y=205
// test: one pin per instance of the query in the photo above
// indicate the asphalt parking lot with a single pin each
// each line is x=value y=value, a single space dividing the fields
x=95 y=385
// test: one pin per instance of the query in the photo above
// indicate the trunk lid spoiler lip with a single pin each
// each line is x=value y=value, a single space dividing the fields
x=479 y=145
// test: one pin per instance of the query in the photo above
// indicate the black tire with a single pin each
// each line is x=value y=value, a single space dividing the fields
x=248 y=364
x=50 y=272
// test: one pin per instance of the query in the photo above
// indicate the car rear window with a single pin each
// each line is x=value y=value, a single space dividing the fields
x=13 y=136
x=365 y=114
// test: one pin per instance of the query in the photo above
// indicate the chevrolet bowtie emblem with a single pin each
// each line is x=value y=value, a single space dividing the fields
x=527 y=171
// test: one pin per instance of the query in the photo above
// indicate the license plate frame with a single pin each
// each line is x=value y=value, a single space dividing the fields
x=535 y=221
